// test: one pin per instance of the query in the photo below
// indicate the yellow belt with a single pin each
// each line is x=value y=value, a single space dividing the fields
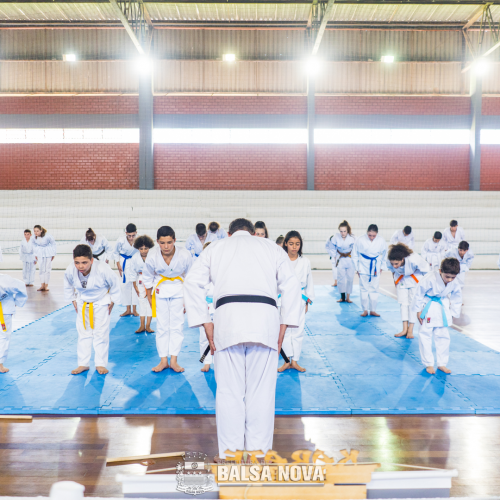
x=153 y=298
x=91 y=314
x=2 y=319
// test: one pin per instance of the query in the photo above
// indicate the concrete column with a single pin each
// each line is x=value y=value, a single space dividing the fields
x=311 y=113
x=476 y=101
x=146 y=163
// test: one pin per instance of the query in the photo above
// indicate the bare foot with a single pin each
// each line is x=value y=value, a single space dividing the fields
x=401 y=334
x=410 y=335
x=206 y=368
x=3 y=369
x=444 y=369
x=80 y=369
x=101 y=370
x=365 y=314
x=135 y=314
x=175 y=366
x=29 y=285
x=161 y=366
x=430 y=369
x=41 y=289
x=149 y=330
x=349 y=300
x=45 y=290
x=341 y=300
x=373 y=313
x=139 y=330
x=335 y=284
x=126 y=313
x=284 y=367
x=297 y=366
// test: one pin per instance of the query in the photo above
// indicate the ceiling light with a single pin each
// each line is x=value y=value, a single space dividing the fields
x=387 y=59
x=229 y=57
x=69 y=57
x=143 y=65
x=313 y=66
x=481 y=67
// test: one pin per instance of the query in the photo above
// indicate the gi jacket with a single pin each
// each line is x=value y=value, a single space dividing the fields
x=12 y=293
x=44 y=246
x=376 y=248
x=414 y=264
x=26 y=250
x=400 y=237
x=243 y=265
x=101 y=243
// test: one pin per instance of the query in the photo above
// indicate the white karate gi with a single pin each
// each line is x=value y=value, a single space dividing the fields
x=12 y=294
x=134 y=273
x=169 y=297
x=369 y=268
x=28 y=259
x=203 y=337
x=465 y=262
x=336 y=245
x=333 y=257
x=400 y=237
x=246 y=334
x=432 y=285
x=102 y=288
x=44 y=248
x=220 y=234
x=123 y=252
x=433 y=252
x=411 y=273
x=292 y=345
x=451 y=241
x=101 y=249
x=194 y=245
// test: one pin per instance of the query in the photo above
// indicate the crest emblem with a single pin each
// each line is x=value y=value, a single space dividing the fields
x=193 y=476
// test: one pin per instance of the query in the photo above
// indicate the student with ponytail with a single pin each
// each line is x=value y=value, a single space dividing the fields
x=101 y=249
x=44 y=248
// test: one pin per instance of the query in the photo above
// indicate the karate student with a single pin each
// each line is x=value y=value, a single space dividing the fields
x=248 y=274
x=453 y=235
x=333 y=257
x=98 y=244
x=163 y=274
x=125 y=250
x=12 y=294
x=405 y=236
x=292 y=345
x=44 y=248
x=134 y=274
x=27 y=257
x=408 y=269
x=437 y=299
x=203 y=338
x=340 y=248
x=279 y=240
x=261 y=229
x=94 y=289
x=433 y=250
x=368 y=255
x=215 y=232
x=194 y=243
x=464 y=256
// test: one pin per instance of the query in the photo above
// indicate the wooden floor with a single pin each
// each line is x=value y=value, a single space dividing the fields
x=35 y=455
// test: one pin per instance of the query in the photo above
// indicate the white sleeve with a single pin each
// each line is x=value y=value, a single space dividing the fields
x=116 y=251
x=456 y=301
x=53 y=245
x=289 y=288
x=148 y=273
x=114 y=285
x=419 y=301
x=189 y=246
x=394 y=239
x=423 y=265
x=355 y=256
x=18 y=289
x=470 y=259
x=108 y=250
x=223 y=232
x=309 y=289
x=331 y=248
x=21 y=252
x=69 y=290
x=195 y=292
x=412 y=241
x=424 y=250
x=131 y=271
x=383 y=254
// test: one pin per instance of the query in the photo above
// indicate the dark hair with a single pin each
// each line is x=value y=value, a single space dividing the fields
x=346 y=224
x=90 y=235
x=453 y=223
x=407 y=230
x=206 y=244
x=463 y=245
x=131 y=228
x=165 y=231
x=280 y=239
x=399 y=251
x=293 y=234
x=262 y=225
x=213 y=226
x=372 y=227
x=450 y=265
x=201 y=229
x=42 y=229
x=438 y=235
x=241 y=225
x=143 y=241
x=82 y=250
x=27 y=231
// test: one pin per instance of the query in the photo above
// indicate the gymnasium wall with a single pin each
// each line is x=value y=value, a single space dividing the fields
x=252 y=166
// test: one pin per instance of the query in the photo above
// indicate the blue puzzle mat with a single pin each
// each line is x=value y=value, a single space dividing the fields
x=354 y=366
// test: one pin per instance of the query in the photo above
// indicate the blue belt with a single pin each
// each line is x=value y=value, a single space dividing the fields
x=125 y=258
x=304 y=297
x=371 y=259
x=196 y=254
x=428 y=305
x=210 y=300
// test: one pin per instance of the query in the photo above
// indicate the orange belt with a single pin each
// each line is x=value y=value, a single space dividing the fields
x=402 y=276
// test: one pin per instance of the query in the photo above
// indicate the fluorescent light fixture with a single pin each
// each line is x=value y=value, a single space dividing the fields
x=387 y=59
x=69 y=57
x=144 y=65
x=229 y=57
x=481 y=66
x=313 y=66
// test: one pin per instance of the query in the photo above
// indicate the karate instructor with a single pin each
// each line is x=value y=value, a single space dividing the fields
x=248 y=273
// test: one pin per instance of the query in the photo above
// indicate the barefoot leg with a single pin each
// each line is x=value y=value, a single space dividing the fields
x=175 y=366
x=127 y=312
x=206 y=368
x=403 y=332
x=284 y=367
x=148 y=325
x=3 y=369
x=365 y=313
x=102 y=370
x=80 y=369
x=348 y=299
x=410 y=330
x=335 y=284
x=297 y=366
x=162 y=365
x=373 y=313
x=444 y=369
x=134 y=311
x=141 y=328
x=430 y=369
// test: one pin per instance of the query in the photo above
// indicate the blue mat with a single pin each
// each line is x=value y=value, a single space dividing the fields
x=354 y=366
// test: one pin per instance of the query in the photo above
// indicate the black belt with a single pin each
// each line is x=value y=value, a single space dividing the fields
x=245 y=298
x=96 y=256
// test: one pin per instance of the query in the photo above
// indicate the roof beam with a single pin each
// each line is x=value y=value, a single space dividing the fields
x=327 y=12
x=474 y=17
x=126 y=25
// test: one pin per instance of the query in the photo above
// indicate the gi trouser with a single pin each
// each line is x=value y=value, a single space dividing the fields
x=128 y=294
x=345 y=275
x=334 y=269
x=433 y=326
x=169 y=326
x=292 y=344
x=97 y=337
x=45 y=266
x=204 y=344
x=5 y=338
x=369 y=292
x=405 y=298
x=29 y=269
x=245 y=401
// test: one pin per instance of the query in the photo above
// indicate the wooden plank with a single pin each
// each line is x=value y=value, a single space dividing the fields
x=140 y=458
x=26 y=418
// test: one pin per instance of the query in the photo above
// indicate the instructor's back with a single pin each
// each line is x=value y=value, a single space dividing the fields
x=248 y=274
